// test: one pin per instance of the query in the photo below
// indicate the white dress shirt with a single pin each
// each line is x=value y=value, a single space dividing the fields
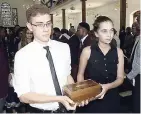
x=66 y=35
x=32 y=71
x=83 y=39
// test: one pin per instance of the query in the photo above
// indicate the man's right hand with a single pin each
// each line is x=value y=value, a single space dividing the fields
x=67 y=102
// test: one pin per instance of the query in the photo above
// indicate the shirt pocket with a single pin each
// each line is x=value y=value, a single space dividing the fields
x=112 y=61
x=96 y=63
x=112 y=65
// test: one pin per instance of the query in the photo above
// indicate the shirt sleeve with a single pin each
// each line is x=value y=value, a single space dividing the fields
x=21 y=79
x=136 y=64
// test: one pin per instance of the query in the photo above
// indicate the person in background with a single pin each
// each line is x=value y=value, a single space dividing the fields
x=4 y=40
x=122 y=36
x=74 y=43
x=136 y=33
x=4 y=73
x=57 y=35
x=72 y=31
x=136 y=25
x=83 y=30
x=12 y=101
x=105 y=65
x=26 y=38
x=16 y=28
x=134 y=73
x=80 y=41
x=129 y=41
x=65 y=33
x=17 y=39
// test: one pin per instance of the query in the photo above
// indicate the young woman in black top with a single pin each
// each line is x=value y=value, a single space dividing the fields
x=105 y=65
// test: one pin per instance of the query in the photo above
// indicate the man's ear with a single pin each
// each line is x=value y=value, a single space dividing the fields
x=29 y=26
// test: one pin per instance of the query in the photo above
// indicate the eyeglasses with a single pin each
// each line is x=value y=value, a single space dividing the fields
x=43 y=25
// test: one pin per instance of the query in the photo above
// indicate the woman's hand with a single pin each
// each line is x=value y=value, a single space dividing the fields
x=105 y=88
x=83 y=103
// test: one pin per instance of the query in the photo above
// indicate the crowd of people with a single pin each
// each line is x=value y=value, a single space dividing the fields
x=27 y=75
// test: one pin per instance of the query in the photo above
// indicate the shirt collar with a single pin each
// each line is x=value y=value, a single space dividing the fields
x=49 y=43
x=82 y=40
x=60 y=36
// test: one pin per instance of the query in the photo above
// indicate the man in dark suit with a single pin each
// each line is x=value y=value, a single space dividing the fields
x=83 y=34
x=74 y=50
x=77 y=43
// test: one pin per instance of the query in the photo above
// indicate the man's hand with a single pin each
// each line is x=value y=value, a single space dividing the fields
x=67 y=102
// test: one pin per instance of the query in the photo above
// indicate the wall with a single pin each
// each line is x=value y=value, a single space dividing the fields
x=132 y=7
x=106 y=10
x=21 y=11
x=57 y=21
x=111 y=10
x=74 y=19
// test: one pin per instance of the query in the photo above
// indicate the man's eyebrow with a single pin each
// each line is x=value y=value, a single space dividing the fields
x=107 y=29
x=43 y=22
x=103 y=29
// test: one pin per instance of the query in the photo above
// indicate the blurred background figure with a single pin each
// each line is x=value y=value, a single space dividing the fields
x=26 y=38
x=4 y=70
x=57 y=35
x=122 y=36
x=128 y=43
x=65 y=33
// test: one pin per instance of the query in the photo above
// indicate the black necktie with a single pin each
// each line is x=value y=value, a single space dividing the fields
x=54 y=77
x=53 y=72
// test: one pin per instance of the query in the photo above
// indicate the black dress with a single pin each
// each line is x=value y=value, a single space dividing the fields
x=103 y=69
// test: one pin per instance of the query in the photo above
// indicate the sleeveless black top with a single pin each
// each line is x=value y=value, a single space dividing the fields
x=102 y=68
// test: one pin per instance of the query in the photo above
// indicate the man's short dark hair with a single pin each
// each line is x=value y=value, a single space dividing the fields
x=85 y=25
x=56 y=29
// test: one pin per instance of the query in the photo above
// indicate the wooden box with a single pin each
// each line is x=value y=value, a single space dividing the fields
x=81 y=91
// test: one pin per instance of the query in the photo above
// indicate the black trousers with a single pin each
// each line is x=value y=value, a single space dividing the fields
x=36 y=110
x=136 y=95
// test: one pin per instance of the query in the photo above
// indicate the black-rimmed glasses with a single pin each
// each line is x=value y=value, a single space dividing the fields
x=42 y=25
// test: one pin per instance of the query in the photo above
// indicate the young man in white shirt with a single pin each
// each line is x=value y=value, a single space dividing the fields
x=32 y=79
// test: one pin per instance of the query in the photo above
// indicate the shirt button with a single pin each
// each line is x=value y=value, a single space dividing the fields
x=105 y=64
x=104 y=58
x=106 y=70
x=106 y=77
